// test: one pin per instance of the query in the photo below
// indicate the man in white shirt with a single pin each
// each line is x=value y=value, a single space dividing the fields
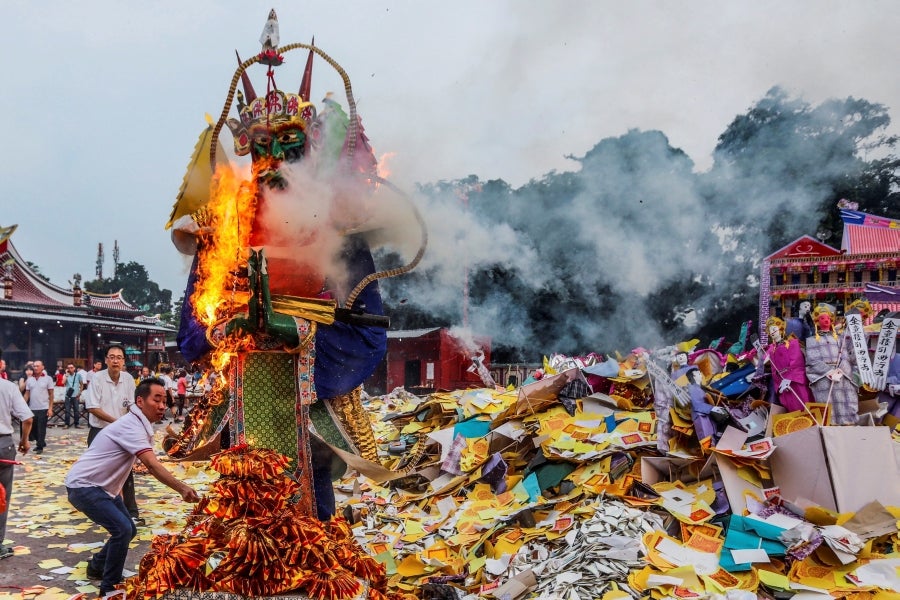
x=39 y=397
x=86 y=378
x=110 y=394
x=95 y=482
x=11 y=405
x=72 y=403
x=83 y=375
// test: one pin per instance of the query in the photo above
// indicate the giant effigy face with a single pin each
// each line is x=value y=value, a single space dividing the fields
x=272 y=130
x=285 y=144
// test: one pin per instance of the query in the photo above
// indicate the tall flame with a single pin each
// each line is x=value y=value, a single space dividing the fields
x=221 y=291
x=223 y=244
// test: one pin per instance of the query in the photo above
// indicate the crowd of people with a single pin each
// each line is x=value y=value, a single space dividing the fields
x=121 y=410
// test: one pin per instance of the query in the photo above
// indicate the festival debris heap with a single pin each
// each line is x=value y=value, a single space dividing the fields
x=557 y=489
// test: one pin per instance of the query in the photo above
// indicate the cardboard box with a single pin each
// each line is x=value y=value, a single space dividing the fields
x=718 y=468
x=737 y=488
x=838 y=468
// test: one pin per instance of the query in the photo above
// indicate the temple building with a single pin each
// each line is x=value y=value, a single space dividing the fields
x=42 y=321
x=807 y=269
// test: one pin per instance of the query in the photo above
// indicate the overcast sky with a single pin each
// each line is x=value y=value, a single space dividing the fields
x=103 y=101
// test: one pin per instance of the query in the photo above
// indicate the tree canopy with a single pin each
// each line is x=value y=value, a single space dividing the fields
x=137 y=288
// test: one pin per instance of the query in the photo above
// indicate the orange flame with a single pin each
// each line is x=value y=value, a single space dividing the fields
x=220 y=292
x=382 y=167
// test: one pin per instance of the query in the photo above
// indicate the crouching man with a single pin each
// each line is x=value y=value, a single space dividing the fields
x=94 y=483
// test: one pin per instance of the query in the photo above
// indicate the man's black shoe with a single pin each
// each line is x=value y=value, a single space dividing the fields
x=6 y=552
x=139 y=521
x=93 y=573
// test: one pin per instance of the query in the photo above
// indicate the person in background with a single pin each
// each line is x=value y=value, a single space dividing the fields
x=98 y=366
x=145 y=374
x=83 y=375
x=95 y=482
x=39 y=397
x=72 y=387
x=110 y=394
x=181 y=387
x=11 y=405
x=171 y=388
x=26 y=373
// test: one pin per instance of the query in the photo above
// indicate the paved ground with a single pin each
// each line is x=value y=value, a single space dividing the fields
x=52 y=540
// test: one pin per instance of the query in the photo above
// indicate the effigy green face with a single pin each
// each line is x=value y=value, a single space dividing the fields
x=288 y=144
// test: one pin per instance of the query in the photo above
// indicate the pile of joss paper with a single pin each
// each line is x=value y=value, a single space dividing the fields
x=557 y=490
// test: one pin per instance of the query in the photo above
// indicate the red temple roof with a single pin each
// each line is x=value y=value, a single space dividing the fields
x=805 y=247
x=861 y=239
x=30 y=288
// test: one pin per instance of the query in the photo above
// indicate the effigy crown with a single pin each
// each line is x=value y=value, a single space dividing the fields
x=268 y=114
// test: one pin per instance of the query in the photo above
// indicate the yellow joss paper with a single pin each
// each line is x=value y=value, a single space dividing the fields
x=411 y=566
x=688 y=578
x=506 y=547
x=476 y=563
x=412 y=427
x=482 y=492
x=583 y=448
x=413 y=531
x=775 y=580
x=750 y=475
x=678 y=421
x=704 y=543
x=440 y=552
x=720 y=582
x=562 y=443
x=820 y=516
x=475 y=453
x=50 y=563
x=638 y=579
x=627 y=426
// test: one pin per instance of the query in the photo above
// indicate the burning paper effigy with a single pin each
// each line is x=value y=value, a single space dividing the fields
x=283 y=304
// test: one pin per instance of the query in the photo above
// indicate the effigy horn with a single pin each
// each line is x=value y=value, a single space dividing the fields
x=249 y=92
x=306 y=82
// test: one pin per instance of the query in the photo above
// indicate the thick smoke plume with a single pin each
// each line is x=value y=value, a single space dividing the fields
x=634 y=248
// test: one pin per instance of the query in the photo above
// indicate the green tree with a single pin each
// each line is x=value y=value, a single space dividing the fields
x=796 y=160
x=36 y=270
x=137 y=288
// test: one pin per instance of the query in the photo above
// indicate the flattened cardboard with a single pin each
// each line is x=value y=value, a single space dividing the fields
x=516 y=587
x=800 y=469
x=839 y=468
x=862 y=466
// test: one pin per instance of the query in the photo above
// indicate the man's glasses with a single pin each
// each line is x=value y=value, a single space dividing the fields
x=114 y=357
